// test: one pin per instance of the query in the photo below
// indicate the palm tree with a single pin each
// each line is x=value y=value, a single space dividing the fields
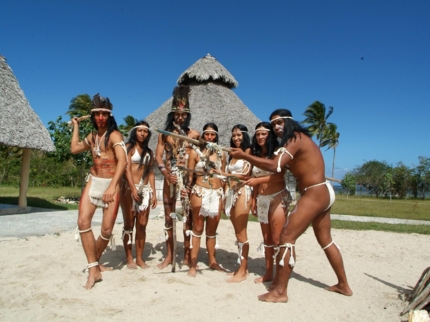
x=130 y=122
x=80 y=106
x=317 y=118
x=330 y=138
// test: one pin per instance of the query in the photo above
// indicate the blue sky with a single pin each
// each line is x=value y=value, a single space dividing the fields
x=367 y=59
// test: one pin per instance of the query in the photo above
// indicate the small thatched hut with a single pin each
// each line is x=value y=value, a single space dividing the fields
x=20 y=126
x=211 y=100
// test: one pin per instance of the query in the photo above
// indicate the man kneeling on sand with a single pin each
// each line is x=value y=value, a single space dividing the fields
x=102 y=190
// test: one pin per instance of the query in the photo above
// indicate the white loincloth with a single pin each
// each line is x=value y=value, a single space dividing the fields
x=97 y=189
x=265 y=201
x=231 y=198
x=210 y=200
x=145 y=193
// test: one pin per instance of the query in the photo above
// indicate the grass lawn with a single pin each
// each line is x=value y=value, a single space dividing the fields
x=45 y=197
x=42 y=197
x=373 y=207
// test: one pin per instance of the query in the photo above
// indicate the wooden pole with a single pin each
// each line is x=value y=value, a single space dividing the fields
x=25 y=172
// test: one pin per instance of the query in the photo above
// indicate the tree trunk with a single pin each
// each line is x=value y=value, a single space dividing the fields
x=332 y=168
x=25 y=172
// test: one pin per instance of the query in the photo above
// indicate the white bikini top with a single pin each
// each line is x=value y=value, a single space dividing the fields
x=199 y=166
x=240 y=167
x=257 y=172
x=135 y=158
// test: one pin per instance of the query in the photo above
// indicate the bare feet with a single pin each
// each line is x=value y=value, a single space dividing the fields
x=217 y=267
x=192 y=272
x=235 y=272
x=186 y=262
x=105 y=268
x=344 y=290
x=165 y=263
x=131 y=265
x=274 y=297
x=142 y=264
x=264 y=278
x=93 y=278
x=238 y=277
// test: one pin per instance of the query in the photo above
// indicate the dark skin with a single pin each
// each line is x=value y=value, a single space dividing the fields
x=268 y=185
x=239 y=213
x=196 y=203
x=133 y=174
x=307 y=166
x=170 y=145
x=110 y=163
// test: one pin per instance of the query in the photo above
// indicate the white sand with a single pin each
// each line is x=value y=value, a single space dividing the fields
x=42 y=279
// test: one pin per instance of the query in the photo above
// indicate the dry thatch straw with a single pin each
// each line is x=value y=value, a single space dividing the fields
x=211 y=100
x=19 y=124
x=420 y=295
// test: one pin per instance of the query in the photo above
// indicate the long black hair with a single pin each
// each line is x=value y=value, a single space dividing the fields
x=271 y=142
x=212 y=126
x=132 y=141
x=246 y=142
x=290 y=126
x=171 y=118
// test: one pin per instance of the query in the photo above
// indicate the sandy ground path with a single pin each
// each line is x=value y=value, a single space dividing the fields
x=42 y=279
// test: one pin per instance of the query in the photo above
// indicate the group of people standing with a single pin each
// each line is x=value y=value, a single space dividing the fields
x=249 y=179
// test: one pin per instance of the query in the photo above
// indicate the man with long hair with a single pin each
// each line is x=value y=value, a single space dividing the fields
x=305 y=161
x=102 y=190
x=170 y=152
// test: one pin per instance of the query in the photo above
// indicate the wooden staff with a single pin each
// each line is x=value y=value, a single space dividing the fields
x=333 y=179
x=186 y=138
x=79 y=119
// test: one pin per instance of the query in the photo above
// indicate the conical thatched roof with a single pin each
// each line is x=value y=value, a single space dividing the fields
x=211 y=100
x=19 y=124
x=207 y=69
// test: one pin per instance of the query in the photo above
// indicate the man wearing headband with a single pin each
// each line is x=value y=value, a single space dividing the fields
x=304 y=159
x=171 y=152
x=102 y=190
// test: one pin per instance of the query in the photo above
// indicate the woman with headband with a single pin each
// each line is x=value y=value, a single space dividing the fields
x=138 y=192
x=238 y=198
x=270 y=199
x=305 y=161
x=206 y=197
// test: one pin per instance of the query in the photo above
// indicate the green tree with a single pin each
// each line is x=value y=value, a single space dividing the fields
x=421 y=178
x=317 y=117
x=349 y=184
x=130 y=122
x=388 y=184
x=402 y=179
x=61 y=135
x=10 y=157
x=80 y=106
x=371 y=175
x=331 y=140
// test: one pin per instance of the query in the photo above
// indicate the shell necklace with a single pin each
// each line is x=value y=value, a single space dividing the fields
x=97 y=144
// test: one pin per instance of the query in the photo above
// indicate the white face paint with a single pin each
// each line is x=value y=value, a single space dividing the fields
x=279 y=127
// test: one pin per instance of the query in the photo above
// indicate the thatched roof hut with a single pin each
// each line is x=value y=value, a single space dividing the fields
x=19 y=125
x=211 y=100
